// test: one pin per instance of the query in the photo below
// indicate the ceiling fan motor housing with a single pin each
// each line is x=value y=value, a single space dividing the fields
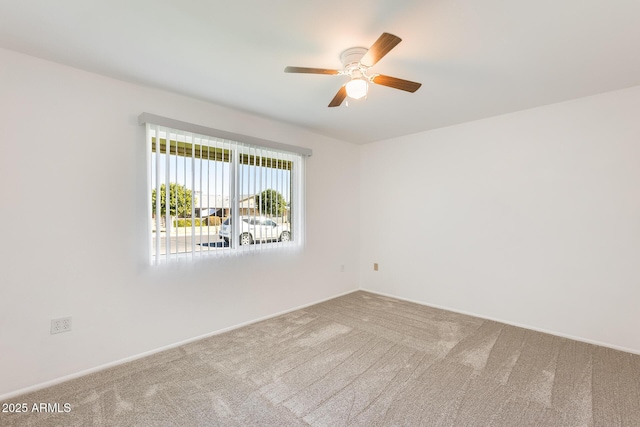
x=350 y=58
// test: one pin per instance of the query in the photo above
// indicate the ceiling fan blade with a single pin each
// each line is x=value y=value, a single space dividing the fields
x=396 y=83
x=340 y=96
x=310 y=70
x=380 y=48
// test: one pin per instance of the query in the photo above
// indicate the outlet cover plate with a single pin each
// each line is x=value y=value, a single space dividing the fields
x=63 y=324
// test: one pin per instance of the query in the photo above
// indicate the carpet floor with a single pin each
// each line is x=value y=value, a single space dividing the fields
x=358 y=360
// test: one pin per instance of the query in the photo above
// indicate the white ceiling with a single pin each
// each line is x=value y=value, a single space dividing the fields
x=475 y=59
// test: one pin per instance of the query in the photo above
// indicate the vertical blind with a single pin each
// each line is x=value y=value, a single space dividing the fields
x=215 y=196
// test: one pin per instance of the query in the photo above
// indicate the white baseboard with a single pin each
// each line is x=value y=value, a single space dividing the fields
x=531 y=328
x=62 y=379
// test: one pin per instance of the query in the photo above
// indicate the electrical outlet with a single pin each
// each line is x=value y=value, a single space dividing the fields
x=375 y=266
x=342 y=268
x=62 y=324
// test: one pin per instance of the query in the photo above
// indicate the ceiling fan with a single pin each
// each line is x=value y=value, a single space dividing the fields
x=356 y=63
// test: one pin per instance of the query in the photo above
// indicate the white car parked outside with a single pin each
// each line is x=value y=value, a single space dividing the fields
x=256 y=229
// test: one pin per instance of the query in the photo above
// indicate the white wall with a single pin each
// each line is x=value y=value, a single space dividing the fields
x=72 y=221
x=531 y=218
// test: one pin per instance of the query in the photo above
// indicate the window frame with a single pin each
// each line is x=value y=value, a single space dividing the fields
x=240 y=155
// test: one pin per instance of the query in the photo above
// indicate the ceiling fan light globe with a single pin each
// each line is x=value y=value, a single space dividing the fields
x=357 y=88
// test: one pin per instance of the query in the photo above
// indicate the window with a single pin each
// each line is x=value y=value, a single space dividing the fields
x=212 y=193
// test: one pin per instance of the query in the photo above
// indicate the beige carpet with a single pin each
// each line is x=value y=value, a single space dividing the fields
x=361 y=360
